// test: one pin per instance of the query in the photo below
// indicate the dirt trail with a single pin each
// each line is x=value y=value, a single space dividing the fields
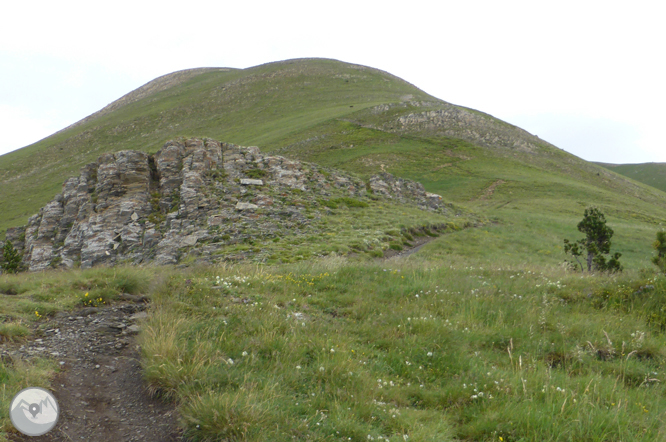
x=417 y=243
x=491 y=189
x=99 y=390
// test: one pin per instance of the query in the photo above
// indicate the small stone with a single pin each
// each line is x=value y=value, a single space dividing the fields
x=139 y=315
x=251 y=182
x=132 y=298
x=216 y=220
x=246 y=206
x=133 y=329
x=188 y=241
x=108 y=329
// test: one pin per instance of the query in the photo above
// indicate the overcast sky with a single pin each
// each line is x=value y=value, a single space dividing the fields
x=588 y=76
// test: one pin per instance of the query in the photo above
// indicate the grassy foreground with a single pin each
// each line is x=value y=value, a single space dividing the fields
x=412 y=350
x=421 y=349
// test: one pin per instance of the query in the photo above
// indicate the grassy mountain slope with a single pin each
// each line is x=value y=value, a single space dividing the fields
x=358 y=119
x=247 y=107
x=652 y=174
x=536 y=196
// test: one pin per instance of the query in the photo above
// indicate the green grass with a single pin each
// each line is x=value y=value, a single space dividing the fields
x=334 y=351
x=469 y=339
x=17 y=376
x=337 y=226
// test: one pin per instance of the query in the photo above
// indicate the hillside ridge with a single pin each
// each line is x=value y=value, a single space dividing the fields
x=159 y=84
x=652 y=174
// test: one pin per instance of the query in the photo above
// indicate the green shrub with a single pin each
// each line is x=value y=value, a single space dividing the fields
x=11 y=259
x=660 y=246
x=256 y=174
x=336 y=202
x=596 y=244
x=216 y=175
x=452 y=226
x=175 y=201
x=328 y=203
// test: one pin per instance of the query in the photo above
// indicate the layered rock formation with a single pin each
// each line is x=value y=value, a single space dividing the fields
x=193 y=194
x=444 y=119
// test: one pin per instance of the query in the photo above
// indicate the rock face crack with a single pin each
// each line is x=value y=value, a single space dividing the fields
x=132 y=207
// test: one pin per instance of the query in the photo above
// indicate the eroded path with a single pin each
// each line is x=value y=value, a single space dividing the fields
x=417 y=244
x=99 y=390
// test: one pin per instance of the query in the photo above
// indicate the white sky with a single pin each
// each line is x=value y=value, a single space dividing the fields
x=588 y=76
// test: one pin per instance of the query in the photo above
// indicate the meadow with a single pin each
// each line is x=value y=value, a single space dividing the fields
x=433 y=347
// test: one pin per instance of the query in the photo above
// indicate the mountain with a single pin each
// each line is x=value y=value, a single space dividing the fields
x=356 y=119
x=246 y=107
x=478 y=335
x=652 y=174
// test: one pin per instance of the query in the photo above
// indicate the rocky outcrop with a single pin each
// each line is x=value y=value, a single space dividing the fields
x=133 y=207
x=405 y=191
x=445 y=119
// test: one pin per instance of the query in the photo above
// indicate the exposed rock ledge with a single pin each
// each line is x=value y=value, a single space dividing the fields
x=445 y=119
x=129 y=206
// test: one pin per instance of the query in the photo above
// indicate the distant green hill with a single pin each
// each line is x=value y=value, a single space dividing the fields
x=358 y=119
x=652 y=174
